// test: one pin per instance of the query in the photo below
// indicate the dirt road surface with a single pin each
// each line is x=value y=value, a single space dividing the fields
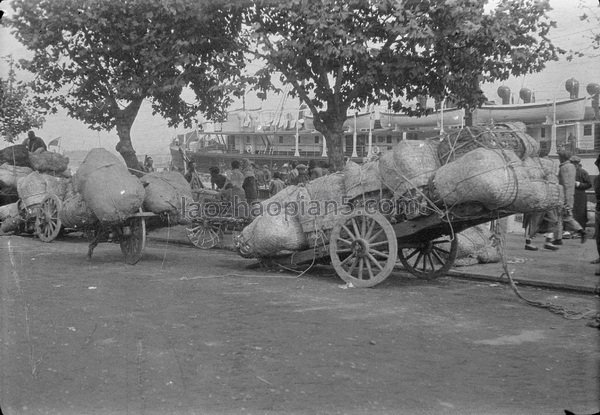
x=187 y=331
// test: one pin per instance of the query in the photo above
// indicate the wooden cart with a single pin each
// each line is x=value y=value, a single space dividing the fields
x=213 y=220
x=365 y=245
x=129 y=234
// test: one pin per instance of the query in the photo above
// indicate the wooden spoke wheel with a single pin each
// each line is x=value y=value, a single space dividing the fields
x=205 y=235
x=363 y=248
x=429 y=259
x=133 y=239
x=47 y=222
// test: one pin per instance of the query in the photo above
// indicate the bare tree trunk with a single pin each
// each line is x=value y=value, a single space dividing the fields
x=335 y=150
x=124 y=121
x=468 y=117
x=333 y=131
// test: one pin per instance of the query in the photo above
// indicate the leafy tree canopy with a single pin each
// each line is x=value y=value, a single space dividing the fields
x=347 y=54
x=18 y=112
x=101 y=59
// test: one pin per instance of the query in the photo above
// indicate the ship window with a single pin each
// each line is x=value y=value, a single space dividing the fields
x=280 y=139
x=316 y=139
x=412 y=136
x=587 y=129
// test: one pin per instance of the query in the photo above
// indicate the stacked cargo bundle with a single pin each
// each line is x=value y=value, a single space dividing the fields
x=106 y=186
x=166 y=193
x=483 y=168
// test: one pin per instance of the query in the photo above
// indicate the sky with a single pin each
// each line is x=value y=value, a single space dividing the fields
x=151 y=134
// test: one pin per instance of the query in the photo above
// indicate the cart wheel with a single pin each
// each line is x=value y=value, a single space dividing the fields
x=47 y=222
x=429 y=259
x=205 y=235
x=363 y=248
x=133 y=245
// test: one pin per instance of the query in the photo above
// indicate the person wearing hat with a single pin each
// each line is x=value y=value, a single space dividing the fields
x=148 y=164
x=566 y=178
x=582 y=183
x=302 y=176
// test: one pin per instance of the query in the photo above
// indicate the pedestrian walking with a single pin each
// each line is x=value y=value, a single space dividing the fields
x=540 y=222
x=582 y=183
x=566 y=178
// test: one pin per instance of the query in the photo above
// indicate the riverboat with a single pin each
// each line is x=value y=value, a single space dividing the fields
x=275 y=137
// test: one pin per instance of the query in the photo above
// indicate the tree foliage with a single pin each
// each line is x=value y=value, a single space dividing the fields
x=101 y=59
x=347 y=54
x=18 y=111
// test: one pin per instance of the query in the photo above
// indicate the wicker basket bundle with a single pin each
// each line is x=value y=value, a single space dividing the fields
x=327 y=203
x=361 y=178
x=409 y=165
x=75 y=213
x=534 y=192
x=482 y=175
x=107 y=187
x=10 y=175
x=166 y=192
x=508 y=136
x=33 y=188
x=48 y=161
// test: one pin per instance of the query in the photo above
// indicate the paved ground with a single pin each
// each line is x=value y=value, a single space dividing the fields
x=187 y=331
x=568 y=268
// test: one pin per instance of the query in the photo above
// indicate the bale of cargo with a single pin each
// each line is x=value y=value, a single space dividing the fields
x=75 y=213
x=277 y=226
x=107 y=187
x=48 y=161
x=165 y=192
x=482 y=175
x=360 y=179
x=475 y=246
x=327 y=203
x=10 y=225
x=7 y=211
x=507 y=136
x=291 y=198
x=10 y=175
x=533 y=192
x=16 y=155
x=269 y=235
x=409 y=165
x=33 y=188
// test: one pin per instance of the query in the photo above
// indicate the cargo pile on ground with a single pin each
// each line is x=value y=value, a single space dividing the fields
x=101 y=190
x=28 y=177
x=488 y=168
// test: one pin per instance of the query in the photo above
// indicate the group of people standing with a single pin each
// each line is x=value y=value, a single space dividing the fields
x=245 y=178
x=572 y=216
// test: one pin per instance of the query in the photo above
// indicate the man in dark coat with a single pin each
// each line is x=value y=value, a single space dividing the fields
x=582 y=183
x=33 y=143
